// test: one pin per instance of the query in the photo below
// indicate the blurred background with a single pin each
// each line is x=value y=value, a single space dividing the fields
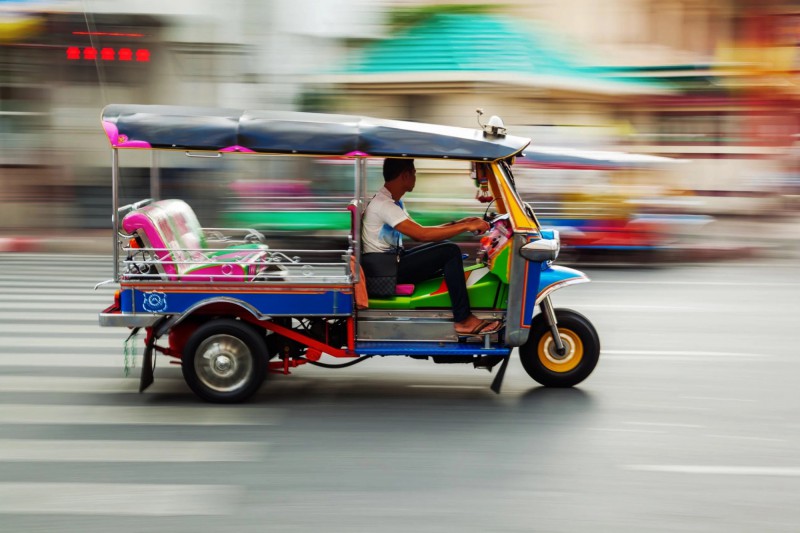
x=662 y=130
x=653 y=122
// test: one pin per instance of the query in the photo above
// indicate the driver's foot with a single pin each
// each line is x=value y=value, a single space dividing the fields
x=475 y=326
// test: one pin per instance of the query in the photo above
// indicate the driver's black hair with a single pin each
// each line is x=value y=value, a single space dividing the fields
x=393 y=167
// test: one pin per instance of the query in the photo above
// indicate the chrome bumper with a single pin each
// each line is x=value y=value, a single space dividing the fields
x=127 y=321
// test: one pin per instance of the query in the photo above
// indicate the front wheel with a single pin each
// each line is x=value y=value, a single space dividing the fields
x=225 y=361
x=544 y=364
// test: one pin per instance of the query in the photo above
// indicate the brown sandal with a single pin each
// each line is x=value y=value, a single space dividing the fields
x=479 y=329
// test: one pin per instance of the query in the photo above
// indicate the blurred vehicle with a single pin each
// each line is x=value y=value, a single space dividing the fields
x=600 y=201
x=311 y=207
x=233 y=306
x=605 y=202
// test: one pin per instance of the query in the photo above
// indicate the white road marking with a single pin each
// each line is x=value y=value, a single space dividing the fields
x=38 y=257
x=680 y=353
x=715 y=399
x=43 y=279
x=744 y=437
x=637 y=308
x=623 y=430
x=782 y=471
x=703 y=283
x=663 y=424
x=129 y=451
x=118 y=499
x=200 y=415
x=663 y=406
x=89 y=318
x=17 y=343
x=37 y=309
x=674 y=358
x=56 y=295
x=16 y=330
x=62 y=384
x=447 y=386
x=49 y=359
x=44 y=286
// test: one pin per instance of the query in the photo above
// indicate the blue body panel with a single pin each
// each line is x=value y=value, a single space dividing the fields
x=533 y=280
x=427 y=348
x=296 y=303
x=552 y=274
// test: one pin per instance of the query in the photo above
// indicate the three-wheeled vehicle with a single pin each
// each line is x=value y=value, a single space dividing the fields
x=230 y=309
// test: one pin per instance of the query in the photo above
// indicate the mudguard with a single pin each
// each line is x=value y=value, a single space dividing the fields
x=555 y=277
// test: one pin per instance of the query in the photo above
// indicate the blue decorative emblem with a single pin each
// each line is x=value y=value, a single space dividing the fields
x=154 y=302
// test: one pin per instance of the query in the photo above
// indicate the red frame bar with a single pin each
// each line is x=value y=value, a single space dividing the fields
x=308 y=341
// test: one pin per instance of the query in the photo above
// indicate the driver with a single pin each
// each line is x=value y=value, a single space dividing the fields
x=386 y=221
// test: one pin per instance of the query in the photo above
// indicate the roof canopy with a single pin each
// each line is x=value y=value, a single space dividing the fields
x=575 y=158
x=280 y=132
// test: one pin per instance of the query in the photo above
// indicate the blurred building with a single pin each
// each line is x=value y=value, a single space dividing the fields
x=62 y=61
x=713 y=81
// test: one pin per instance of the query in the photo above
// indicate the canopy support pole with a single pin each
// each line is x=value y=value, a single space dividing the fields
x=115 y=212
x=155 y=176
x=360 y=181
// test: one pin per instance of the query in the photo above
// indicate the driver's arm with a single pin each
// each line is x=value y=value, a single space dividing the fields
x=419 y=233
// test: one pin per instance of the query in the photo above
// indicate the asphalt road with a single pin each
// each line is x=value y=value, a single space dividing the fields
x=689 y=423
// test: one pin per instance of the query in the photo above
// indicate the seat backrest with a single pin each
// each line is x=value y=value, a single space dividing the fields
x=184 y=223
x=171 y=227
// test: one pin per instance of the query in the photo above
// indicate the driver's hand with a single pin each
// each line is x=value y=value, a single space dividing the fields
x=477 y=225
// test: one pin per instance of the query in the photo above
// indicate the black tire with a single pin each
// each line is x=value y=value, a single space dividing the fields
x=239 y=364
x=545 y=366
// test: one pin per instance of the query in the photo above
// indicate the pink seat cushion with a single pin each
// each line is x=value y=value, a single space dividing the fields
x=405 y=289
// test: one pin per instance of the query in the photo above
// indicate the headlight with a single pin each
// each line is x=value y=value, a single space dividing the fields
x=545 y=249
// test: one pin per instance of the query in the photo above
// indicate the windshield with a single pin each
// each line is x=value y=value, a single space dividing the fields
x=506 y=169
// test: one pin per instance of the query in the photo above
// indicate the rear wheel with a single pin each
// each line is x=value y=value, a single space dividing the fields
x=225 y=361
x=542 y=361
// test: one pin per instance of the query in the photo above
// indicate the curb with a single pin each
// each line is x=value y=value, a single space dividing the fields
x=93 y=243
x=20 y=244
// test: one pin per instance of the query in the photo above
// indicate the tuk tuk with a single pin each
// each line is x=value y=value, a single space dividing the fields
x=230 y=308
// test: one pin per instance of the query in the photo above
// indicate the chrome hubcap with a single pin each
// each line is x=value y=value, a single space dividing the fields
x=551 y=352
x=223 y=363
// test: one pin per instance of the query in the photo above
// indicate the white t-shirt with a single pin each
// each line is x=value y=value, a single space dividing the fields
x=380 y=218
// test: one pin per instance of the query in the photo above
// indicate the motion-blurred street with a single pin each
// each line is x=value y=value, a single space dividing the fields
x=687 y=424
x=665 y=149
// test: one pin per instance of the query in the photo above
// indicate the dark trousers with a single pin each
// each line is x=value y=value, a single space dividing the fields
x=433 y=260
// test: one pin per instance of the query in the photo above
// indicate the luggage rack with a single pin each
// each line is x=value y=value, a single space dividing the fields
x=163 y=242
x=251 y=266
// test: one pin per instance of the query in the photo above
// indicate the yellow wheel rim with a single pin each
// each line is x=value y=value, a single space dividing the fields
x=549 y=357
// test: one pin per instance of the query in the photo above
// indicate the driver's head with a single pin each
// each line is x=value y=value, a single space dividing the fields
x=394 y=168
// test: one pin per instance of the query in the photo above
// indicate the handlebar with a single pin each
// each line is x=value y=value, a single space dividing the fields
x=499 y=232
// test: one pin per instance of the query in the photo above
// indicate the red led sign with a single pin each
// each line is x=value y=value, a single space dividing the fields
x=108 y=34
x=90 y=53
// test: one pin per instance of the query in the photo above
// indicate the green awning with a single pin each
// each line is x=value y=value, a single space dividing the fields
x=483 y=47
